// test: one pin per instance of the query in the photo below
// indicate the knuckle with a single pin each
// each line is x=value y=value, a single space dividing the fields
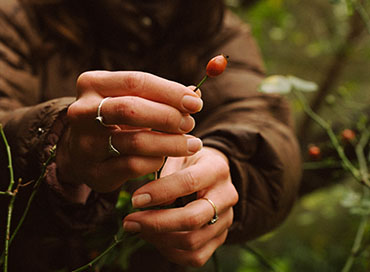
x=157 y=226
x=83 y=80
x=197 y=260
x=222 y=169
x=171 y=118
x=190 y=182
x=230 y=220
x=126 y=109
x=233 y=195
x=133 y=167
x=73 y=112
x=135 y=142
x=194 y=221
x=191 y=242
x=134 y=81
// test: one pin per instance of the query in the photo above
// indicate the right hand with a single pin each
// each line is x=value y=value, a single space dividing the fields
x=149 y=118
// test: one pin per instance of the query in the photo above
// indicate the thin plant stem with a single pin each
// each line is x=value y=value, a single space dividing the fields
x=201 y=83
x=356 y=244
x=364 y=220
x=11 y=203
x=364 y=15
x=105 y=252
x=34 y=191
x=9 y=239
x=346 y=163
x=321 y=165
x=364 y=171
x=10 y=164
x=6 y=193
x=262 y=259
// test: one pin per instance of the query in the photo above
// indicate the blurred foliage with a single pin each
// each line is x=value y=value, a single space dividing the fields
x=302 y=38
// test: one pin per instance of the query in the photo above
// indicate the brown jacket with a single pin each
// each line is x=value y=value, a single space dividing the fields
x=254 y=130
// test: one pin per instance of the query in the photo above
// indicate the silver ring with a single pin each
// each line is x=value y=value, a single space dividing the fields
x=111 y=149
x=99 y=117
x=215 y=215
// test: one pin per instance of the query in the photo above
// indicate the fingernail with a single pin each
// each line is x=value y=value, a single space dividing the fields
x=141 y=200
x=187 y=123
x=131 y=226
x=194 y=145
x=192 y=103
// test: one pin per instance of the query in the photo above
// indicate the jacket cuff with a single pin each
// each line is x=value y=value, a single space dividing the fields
x=265 y=169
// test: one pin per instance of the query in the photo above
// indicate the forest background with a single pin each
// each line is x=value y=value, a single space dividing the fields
x=326 y=42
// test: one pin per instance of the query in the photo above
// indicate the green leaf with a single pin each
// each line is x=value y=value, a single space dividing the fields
x=302 y=85
x=275 y=84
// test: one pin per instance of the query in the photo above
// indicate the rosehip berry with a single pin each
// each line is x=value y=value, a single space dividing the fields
x=214 y=68
x=314 y=152
x=348 y=135
x=216 y=65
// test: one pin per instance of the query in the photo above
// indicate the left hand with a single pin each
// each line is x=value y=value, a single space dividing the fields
x=183 y=234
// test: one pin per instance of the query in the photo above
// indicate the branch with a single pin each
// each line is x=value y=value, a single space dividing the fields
x=10 y=164
x=335 y=69
x=11 y=203
x=346 y=163
x=8 y=238
x=34 y=191
x=105 y=252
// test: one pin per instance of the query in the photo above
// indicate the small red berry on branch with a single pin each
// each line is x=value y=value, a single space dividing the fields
x=314 y=152
x=214 y=68
x=348 y=135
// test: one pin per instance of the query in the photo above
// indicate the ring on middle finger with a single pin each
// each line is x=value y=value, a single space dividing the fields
x=114 y=152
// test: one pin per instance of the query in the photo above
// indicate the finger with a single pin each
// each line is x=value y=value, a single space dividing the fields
x=190 y=240
x=191 y=217
x=141 y=143
x=109 y=175
x=181 y=183
x=140 y=112
x=141 y=84
x=195 y=258
x=198 y=91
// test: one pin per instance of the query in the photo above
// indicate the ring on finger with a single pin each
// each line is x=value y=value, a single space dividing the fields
x=99 y=117
x=215 y=215
x=114 y=152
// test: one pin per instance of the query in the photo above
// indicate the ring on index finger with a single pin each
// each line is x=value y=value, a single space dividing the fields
x=215 y=215
x=99 y=117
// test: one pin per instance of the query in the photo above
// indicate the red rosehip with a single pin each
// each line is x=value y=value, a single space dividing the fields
x=348 y=135
x=314 y=152
x=216 y=65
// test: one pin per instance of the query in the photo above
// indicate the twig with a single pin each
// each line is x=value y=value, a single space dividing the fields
x=262 y=259
x=365 y=17
x=356 y=244
x=10 y=164
x=11 y=203
x=346 y=163
x=34 y=191
x=105 y=252
x=364 y=171
x=8 y=238
x=356 y=248
x=334 y=70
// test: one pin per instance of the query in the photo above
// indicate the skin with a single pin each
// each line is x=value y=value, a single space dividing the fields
x=146 y=109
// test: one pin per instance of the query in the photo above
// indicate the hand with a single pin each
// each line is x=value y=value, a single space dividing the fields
x=183 y=234
x=139 y=103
